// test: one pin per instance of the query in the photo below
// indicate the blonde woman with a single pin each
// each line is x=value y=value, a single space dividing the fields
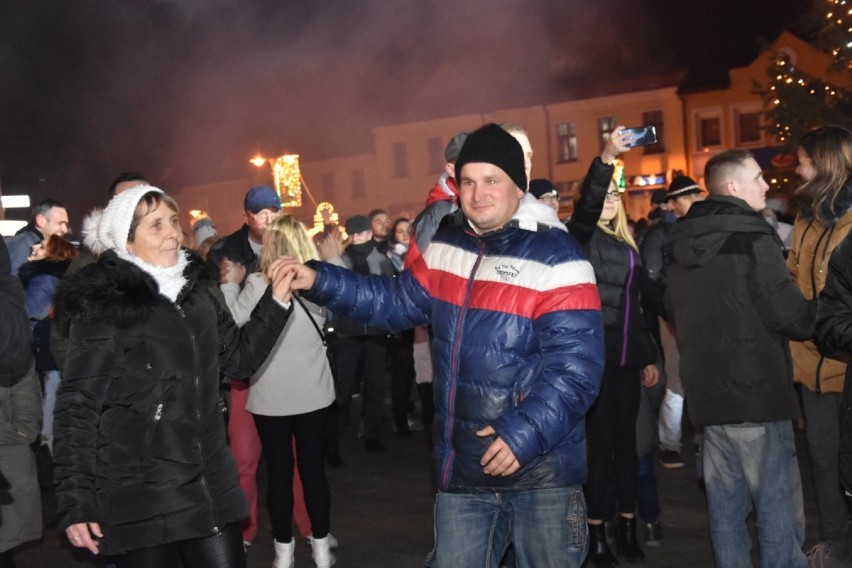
x=290 y=396
x=599 y=224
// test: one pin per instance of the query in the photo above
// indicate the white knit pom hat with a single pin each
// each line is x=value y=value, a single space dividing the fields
x=114 y=225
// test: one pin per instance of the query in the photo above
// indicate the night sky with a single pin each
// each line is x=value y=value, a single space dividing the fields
x=187 y=90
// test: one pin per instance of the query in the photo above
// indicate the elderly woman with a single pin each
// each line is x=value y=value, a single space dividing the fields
x=142 y=469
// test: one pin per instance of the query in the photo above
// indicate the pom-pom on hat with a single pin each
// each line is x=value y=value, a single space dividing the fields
x=113 y=228
x=683 y=185
x=493 y=145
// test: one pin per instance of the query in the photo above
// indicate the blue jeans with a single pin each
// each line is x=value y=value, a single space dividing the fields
x=547 y=527
x=751 y=462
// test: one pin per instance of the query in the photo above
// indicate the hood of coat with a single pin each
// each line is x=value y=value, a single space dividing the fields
x=49 y=267
x=697 y=238
x=115 y=291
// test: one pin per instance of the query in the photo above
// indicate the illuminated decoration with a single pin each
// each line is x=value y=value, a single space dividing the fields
x=618 y=176
x=797 y=102
x=325 y=215
x=288 y=180
x=648 y=180
x=196 y=214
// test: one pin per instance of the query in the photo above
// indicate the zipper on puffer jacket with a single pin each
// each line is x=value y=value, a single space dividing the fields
x=828 y=232
x=626 y=330
x=202 y=479
x=454 y=368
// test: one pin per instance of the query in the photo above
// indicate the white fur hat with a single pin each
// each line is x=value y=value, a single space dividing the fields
x=110 y=229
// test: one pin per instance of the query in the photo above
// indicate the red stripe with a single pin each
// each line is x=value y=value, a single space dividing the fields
x=523 y=302
x=419 y=270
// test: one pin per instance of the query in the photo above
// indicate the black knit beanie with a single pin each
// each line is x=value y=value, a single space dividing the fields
x=493 y=145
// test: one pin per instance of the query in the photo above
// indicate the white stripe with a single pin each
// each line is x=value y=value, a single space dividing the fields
x=515 y=271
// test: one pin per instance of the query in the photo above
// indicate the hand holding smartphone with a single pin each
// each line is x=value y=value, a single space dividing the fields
x=640 y=136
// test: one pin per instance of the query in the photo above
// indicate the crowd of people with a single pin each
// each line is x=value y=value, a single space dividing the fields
x=554 y=362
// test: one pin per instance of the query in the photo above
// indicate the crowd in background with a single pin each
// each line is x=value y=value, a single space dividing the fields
x=155 y=365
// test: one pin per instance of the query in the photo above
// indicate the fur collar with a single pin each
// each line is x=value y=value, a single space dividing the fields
x=115 y=292
x=829 y=212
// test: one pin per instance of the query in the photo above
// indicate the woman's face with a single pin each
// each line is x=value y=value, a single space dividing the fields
x=805 y=169
x=611 y=202
x=401 y=233
x=157 y=238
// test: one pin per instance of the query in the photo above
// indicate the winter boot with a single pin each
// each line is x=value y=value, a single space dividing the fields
x=599 y=552
x=322 y=552
x=284 y=552
x=625 y=540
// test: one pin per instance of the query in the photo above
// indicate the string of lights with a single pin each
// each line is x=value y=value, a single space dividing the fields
x=796 y=101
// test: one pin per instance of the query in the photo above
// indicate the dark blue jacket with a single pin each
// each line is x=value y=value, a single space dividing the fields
x=518 y=344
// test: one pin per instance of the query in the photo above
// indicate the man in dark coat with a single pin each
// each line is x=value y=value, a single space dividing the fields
x=735 y=308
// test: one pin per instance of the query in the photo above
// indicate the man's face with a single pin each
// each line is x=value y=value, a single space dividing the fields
x=361 y=238
x=54 y=222
x=528 y=152
x=488 y=196
x=749 y=184
x=260 y=221
x=381 y=225
x=680 y=205
x=551 y=201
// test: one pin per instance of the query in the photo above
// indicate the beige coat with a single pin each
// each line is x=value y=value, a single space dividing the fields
x=813 y=243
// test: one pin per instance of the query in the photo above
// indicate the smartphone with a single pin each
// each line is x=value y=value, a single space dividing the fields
x=641 y=136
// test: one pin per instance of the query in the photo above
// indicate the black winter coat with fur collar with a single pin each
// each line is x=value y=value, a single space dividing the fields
x=140 y=440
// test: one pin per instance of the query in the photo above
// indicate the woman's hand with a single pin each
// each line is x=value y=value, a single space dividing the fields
x=280 y=277
x=617 y=144
x=231 y=272
x=82 y=535
x=329 y=247
x=651 y=375
x=303 y=276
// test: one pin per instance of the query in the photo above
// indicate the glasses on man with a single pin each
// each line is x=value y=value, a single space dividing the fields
x=614 y=195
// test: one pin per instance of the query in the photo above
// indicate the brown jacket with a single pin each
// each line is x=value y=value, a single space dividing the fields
x=813 y=243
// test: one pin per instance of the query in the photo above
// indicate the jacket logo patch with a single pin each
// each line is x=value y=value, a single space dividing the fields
x=506 y=272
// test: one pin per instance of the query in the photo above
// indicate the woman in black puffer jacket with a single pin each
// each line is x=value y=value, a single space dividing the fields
x=142 y=469
x=599 y=223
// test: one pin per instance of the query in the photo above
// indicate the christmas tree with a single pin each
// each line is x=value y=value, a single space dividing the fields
x=798 y=102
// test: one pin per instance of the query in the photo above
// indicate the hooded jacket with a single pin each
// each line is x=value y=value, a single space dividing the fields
x=813 y=242
x=517 y=344
x=734 y=308
x=140 y=441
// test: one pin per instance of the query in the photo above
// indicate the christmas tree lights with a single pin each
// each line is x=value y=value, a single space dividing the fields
x=796 y=101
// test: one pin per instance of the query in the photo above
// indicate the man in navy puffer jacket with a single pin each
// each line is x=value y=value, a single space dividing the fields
x=518 y=351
